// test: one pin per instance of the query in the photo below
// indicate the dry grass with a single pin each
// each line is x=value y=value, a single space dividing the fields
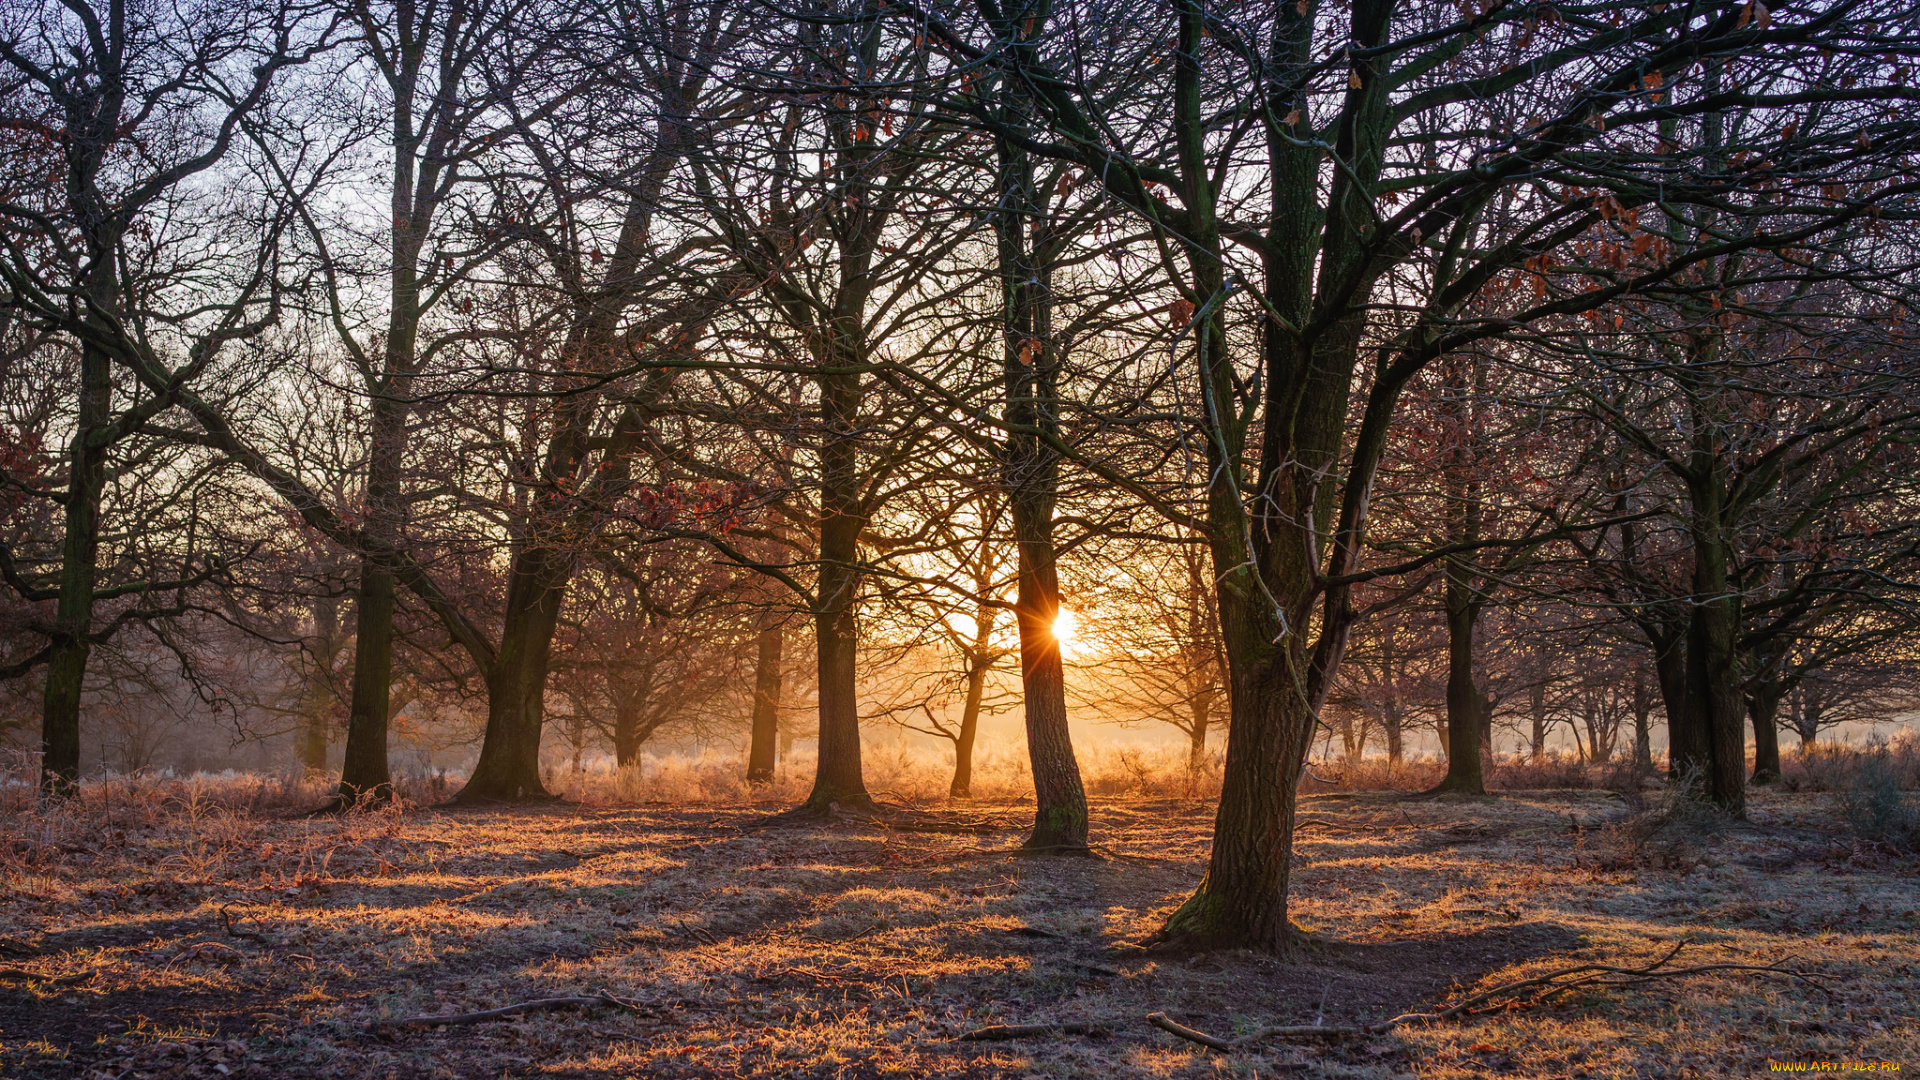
x=857 y=950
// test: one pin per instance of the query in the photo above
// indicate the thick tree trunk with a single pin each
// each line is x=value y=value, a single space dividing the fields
x=73 y=612
x=1242 y=902
x=837 y=779
x=1465 y=707
x=627 y=738
x=80 y=550
x=509 y=765
x=1713 y=687
x=364 y=773
x=771 y=646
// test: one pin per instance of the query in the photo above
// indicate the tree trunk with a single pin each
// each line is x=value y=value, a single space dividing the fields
x=364 y=773
x=80 y=549
x=1032 y=471
x=1537 y=710
x=1464 y=704
x=766 y=703
x=73 y=613
x=837 y=779
x=1806 y=717
x=626 y=730
x=509 y=765
x=1060 y=816
x=1242 y=902
x=962 y=786
x=364 y=770
x=1763 y=706
x=1599 y=737
x=1202 y=718
x=317 y=702
x=1713 y=688
x=1642 y=724
x=1686 y=739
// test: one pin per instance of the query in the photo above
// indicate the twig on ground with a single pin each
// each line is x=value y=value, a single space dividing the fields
x=536 y=1005
x=998 y=1032
x=247 y=935
x=1553 y=982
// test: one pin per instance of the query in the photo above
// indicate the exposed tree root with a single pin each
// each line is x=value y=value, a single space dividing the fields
x=1499 y=997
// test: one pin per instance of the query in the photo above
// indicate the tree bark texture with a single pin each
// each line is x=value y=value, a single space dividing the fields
x=769 y=648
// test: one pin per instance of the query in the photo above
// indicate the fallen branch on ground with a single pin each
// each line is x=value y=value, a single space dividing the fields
x=536 y=1005
x=1553 y=982
x=998 y=1032
x=1161 y=1021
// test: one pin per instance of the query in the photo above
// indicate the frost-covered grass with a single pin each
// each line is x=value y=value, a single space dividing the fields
x=759 y=948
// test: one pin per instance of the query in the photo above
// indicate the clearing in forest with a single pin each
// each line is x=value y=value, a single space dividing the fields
x=200 y=941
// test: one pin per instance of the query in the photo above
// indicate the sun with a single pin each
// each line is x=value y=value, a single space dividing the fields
x=1065 y=631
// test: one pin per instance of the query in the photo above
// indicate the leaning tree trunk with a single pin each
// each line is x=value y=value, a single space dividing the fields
x=766 y=703
x=509 y=765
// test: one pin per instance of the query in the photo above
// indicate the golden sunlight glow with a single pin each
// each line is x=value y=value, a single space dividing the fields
x=1063 y=632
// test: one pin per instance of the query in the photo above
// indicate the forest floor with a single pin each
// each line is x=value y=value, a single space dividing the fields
x=197 y=941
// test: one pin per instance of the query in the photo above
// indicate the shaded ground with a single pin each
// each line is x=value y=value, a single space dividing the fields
x=221 y=944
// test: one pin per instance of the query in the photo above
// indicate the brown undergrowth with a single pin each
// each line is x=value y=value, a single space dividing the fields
x=201 y=935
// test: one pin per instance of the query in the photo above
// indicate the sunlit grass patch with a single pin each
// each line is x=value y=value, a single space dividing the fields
x=755 y=950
